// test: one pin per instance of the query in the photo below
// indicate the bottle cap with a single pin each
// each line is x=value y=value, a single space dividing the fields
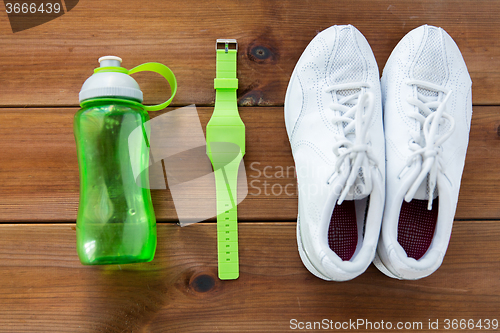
x=112 y=81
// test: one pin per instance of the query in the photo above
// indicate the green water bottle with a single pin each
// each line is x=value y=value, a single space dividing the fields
x=116 y=222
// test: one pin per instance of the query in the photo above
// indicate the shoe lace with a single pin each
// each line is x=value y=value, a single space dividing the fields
x=426 y=152
x=351 y=147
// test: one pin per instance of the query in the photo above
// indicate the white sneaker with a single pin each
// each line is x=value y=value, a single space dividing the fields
x=333 y=116
x=427 y=112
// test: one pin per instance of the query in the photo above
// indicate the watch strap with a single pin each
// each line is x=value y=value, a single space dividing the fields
x=226 y=182
x=226 y=147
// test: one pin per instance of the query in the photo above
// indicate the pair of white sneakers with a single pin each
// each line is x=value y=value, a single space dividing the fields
x=378 y=162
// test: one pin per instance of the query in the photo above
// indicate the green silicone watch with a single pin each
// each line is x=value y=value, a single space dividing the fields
x=225 y=148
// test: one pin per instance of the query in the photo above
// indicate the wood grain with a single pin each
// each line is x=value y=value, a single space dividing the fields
x=39 y=170
x=45 y=288
x=47 y=65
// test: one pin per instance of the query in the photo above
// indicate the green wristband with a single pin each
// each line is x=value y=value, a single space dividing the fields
x=225 y=148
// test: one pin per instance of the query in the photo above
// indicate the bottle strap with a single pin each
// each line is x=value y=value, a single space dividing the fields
x=163 y=71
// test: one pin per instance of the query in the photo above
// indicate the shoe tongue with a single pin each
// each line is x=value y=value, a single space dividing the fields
x=431 y=94
x=342 y=94
x=422 y=192
x=360 y=189
x=348 y=92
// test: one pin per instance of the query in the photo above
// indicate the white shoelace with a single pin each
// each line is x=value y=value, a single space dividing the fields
x=357 y=154
x=426 y=156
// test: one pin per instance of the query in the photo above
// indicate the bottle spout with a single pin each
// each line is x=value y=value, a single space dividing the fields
x=110 y=61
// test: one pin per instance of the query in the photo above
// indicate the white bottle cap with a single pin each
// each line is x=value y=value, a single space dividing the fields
x=111 y=83
x=110 y=61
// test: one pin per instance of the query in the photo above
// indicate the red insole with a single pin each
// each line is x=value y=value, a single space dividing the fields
x=343 y=230
x=416 y=226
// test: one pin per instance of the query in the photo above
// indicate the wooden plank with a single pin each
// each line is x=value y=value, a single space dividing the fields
x=39 y=170
x=482 y=169
x=47 y=65
x=45 y=288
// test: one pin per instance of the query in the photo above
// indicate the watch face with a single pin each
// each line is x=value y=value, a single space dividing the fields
x=224 y=152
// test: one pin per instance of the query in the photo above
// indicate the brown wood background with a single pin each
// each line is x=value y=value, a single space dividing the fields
x=44 y=288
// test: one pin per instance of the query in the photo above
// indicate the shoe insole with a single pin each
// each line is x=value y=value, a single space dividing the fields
x=416 y=226
x=343 y=230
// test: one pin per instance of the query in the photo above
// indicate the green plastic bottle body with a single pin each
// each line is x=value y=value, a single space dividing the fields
x=116 y=222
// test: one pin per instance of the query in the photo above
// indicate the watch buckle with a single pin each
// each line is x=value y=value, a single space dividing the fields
x=226 y=45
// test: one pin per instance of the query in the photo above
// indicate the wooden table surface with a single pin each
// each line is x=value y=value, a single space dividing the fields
x=43 y=286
